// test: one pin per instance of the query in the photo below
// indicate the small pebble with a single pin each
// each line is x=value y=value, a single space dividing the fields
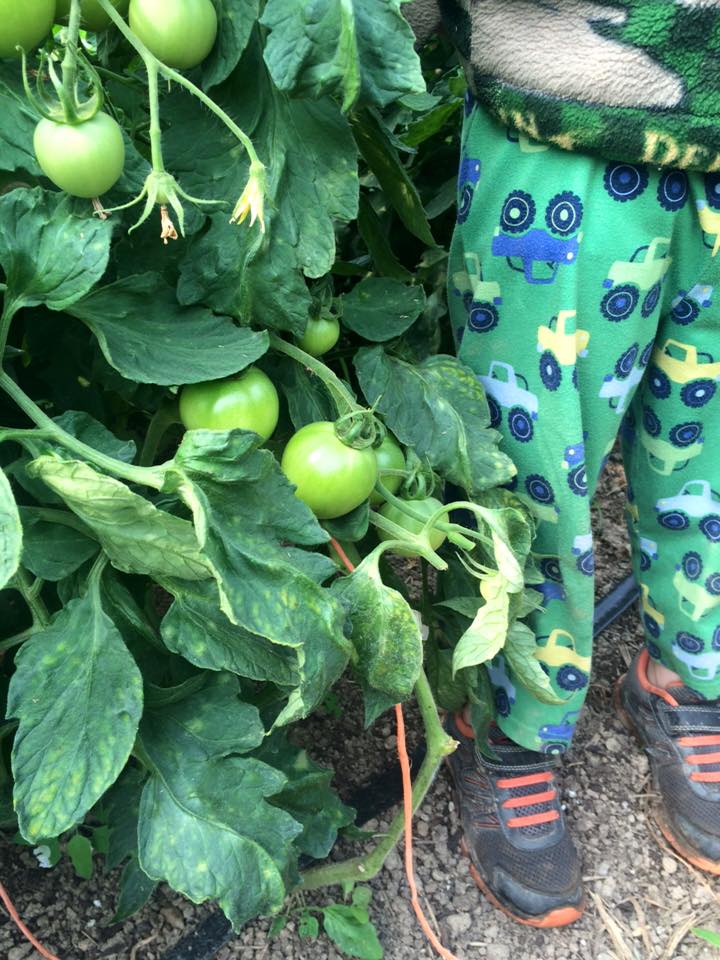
x=669 y=864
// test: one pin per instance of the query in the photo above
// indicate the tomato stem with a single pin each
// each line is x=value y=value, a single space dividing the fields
x=149 y=477
x=364 y=868
x=69 y=63
x=30 y=591
x=344 y=401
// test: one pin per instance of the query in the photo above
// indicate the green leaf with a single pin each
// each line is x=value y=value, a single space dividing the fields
x=35 y=226
x=438 y=407
x=351 y=527
x=385 y=631
x=136 y=888
x=148 y=337
x=348 y=48
x=383 y=160
x=308 y=926
x=262 y=588
x=236 y=18
x=11 y=533
x=308 y=796
x=80 y=851
x=122 y=803
x=519 y=651
x=307 y=398
x=96 y=435
x=196 y=628
x=708 y=935
x=53 y=551
x=351 y=930
x=17 y=122
x=78 y=696
x=374 y=233
x=450 y=692
x=206 y=827
x=382 y=308
x=486 y=635
x=137 y=537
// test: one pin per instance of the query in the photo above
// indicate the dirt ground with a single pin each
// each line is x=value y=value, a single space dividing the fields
x=642 y=899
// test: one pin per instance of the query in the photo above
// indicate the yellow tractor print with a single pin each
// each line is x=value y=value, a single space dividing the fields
x=559 y=651
x=681 y=363
x=698 y=589
x=643 y=274
x=563 y=338
x=652 y=618
x=665 y=457
x=710 y=224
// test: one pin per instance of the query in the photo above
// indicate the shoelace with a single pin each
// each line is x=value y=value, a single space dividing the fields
x=532 y=799
x=704 y=758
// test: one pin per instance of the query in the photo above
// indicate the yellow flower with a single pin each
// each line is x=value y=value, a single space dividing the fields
x=252 y=200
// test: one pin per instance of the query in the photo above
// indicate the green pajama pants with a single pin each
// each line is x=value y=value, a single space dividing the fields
x=582 y=295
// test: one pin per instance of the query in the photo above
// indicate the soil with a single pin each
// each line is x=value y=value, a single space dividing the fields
x=643 y=900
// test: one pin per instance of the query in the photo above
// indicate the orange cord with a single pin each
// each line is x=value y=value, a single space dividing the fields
x=15 y=917
x=407 y=807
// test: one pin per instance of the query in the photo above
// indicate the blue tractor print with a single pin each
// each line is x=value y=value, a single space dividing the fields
x=505 y=692
x=584 y=552
x=550 y=590
x=687 y=304
x=557 y=736
x=523 y=247
x=574 y=463
x=508 y=389
x=481 y=297
x=468 y=178
x=628 y=279
x=673 y=190
x=625 y=181
x=648 y=552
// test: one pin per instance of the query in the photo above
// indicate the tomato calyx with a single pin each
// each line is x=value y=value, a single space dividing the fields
x=66 y=108
x=359 y=429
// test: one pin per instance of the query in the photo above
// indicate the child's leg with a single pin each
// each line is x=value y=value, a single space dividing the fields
x=556 y=283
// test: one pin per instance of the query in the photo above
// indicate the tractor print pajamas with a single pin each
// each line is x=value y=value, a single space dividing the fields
x=582 y=293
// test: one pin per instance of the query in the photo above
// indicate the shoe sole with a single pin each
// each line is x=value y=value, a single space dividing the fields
x=658 y=811
x=559 y=917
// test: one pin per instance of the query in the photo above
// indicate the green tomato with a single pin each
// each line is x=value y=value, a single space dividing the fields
x=181 y=33
x=320 y=336
x=331 y=478
x=426 y=508
x=247 y=402
x=389 y=457
x=93 y=15
x=83 y=159
x=24 y=23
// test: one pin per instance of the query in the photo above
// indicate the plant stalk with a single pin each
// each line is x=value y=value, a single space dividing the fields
x=69 y=64
x=361 y=869
x=31 y=595
x=344 y=401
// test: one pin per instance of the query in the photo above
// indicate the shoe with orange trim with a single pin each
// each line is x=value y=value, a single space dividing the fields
x=681 y=735
x=521 y=854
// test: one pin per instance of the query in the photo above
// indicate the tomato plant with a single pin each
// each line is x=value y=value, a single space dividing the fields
x=247 y=402
x=24 y=24
x=93 y=16
x=83 y=159
x=331 y=477
x=181 y=33
x=161 y=585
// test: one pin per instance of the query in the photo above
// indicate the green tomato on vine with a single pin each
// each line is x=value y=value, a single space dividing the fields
x=247 y=402
x=84 y=159
x=180 y=33
x=389 y=456
x=425 y=508
x=320 y=336
x=331 y=477
x=93 y=15
x=24 y=23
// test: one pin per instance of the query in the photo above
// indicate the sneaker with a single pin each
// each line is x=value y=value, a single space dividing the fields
x=521 y=854
x=681 y=735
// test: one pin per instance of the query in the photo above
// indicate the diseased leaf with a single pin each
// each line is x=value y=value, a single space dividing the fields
x=340 y=47
x=380 y=309
x=80 y=424
x=385 y=632
x=261 y=588
x=11 y=533
x=196 y=628
x=439 y=408
x=308 y=795
x=75 y=687
x=53 y=551
x=486 y=635
x=137 y=537
x=148 y=337
x=34 y=226
x=206 y=827
x=519 y=651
